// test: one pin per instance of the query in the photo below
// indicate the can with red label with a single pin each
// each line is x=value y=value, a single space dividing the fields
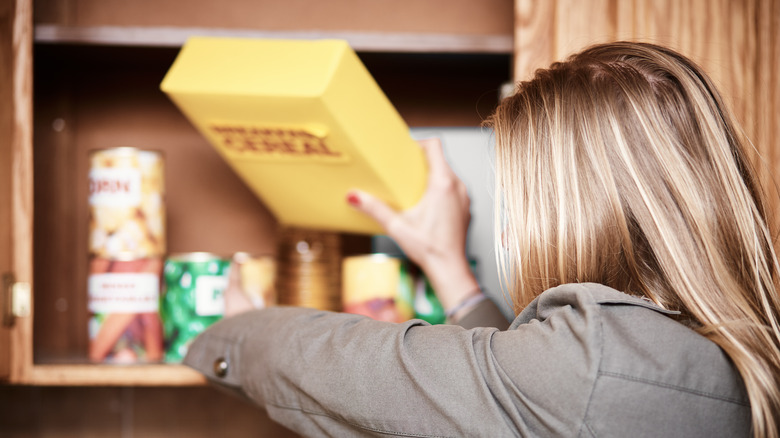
x=126 y=249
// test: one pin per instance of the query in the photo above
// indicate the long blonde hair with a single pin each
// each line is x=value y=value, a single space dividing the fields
x=622 y=166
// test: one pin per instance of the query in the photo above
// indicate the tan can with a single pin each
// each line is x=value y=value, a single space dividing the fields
x=378 y=286
x=126 y=246
x=258 y=278
x=309 y=269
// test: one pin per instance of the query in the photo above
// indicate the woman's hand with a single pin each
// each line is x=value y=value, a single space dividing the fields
x=433 y=232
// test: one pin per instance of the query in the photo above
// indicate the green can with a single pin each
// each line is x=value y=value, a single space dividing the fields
x=426 y=304
x=193 y=298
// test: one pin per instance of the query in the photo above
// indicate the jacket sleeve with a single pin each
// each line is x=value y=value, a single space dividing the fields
x=330 y=374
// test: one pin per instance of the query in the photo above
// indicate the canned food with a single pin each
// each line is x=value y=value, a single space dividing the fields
x=258 y=279
x=195 y=284
x=126 y=200
x=126 y=245
x=426 y=304
x=389 y=288
x=309 y=270
x=123 y=300
x=377 y=286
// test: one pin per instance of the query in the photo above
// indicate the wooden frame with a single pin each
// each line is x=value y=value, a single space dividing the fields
x=16 y=130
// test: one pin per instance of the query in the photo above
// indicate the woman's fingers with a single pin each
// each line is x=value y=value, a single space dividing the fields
x=434 y=152
x=373 y=207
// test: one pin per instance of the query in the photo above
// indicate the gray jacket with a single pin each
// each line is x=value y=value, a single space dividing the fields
x=581 y=360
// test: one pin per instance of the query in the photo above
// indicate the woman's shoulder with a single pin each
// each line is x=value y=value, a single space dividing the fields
x=580 y=297
x=639 y=358
x=626 y=328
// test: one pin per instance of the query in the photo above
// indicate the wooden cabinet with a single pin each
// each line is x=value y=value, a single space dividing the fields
x=84 y=74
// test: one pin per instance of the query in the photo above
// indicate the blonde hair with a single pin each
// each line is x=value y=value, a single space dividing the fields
x=622 y=166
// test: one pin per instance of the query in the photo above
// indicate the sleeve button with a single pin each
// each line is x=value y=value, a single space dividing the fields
x=220 y=367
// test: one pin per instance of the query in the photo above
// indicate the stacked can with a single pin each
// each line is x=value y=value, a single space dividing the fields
x=309 y=269
x=126 y=246
x=194 y=298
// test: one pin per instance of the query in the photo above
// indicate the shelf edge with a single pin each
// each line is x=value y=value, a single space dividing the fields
x=360 y=41
x=113 y=375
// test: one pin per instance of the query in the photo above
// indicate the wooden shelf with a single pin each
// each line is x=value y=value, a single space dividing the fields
x=360 y=41
x=112 y=375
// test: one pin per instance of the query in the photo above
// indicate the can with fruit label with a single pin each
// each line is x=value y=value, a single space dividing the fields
x=126 y=246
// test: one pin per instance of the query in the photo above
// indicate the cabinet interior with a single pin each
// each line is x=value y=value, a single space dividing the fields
x=88 y=97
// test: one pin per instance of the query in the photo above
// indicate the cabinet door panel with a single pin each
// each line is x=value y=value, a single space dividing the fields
x=6 y=125
x=15 y=174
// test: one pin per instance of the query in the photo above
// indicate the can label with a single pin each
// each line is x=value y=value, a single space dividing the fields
x=389 y=289
x=127 y=212
x=210 y=295
x=377 y=286
x=123 y=301
x=115 y=187
x=128 y=293
x=193 y=298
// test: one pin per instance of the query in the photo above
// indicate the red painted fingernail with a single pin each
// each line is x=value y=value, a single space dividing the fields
x=353 y=199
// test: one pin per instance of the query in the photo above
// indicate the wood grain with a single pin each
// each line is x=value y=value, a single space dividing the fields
x=16 y=166
x=7 y=12
x=484 y=17
x=534 y=37
x=113 y=375
x=120 y=412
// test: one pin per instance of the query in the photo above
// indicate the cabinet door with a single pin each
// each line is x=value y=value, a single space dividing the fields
x=6 y=16
x=15 y=174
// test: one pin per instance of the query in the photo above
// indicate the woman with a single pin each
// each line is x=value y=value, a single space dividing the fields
x=633 y=234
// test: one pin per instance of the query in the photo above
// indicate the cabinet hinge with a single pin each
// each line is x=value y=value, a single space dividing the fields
x=17 y=299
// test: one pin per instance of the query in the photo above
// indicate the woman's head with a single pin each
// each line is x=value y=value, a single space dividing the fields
x=622 y=166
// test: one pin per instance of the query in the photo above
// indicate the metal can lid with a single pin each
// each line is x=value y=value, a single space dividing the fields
x=377 y=257
x=125 y=256
x=124 y=149
x=200 y=256
x=243 y=256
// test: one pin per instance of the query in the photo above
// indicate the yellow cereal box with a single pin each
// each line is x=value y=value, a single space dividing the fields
x=301 y=122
